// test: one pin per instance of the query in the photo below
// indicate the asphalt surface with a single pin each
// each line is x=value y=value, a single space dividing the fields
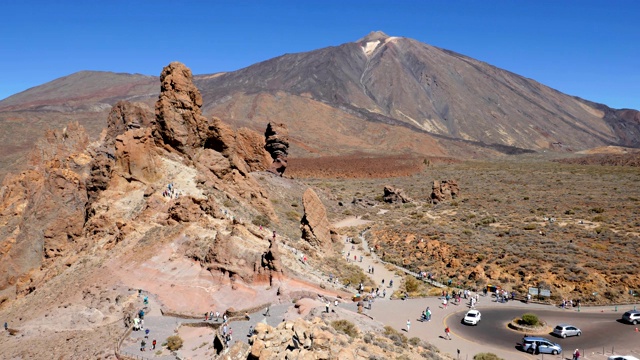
x=601 y=330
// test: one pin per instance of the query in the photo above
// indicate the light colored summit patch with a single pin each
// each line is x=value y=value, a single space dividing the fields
x=369 y=47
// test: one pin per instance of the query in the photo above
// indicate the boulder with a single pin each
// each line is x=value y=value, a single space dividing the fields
x=315 y=226
x=444 y=190
x=395 y=195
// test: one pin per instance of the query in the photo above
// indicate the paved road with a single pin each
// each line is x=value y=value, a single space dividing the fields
x=600 y=330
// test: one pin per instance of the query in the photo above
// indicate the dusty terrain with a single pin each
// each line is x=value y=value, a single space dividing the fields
x=519 y=222
x=181 y=206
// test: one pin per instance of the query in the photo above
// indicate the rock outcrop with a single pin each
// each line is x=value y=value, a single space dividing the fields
x=444 y=190
x=42 y=210
x=136 y=156
x=395 y=195
x=277 y=144
x=315 y=226
x=179 y=120
x=126 y=116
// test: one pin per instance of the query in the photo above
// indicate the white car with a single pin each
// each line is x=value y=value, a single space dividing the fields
x=472 y=317
x=619 y=357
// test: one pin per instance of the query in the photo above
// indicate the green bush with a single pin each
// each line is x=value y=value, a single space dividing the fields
x=530 y=319
x=415 y=341
x=486 y=356
x=411 y=283
x=345 y=327
x=174 y=342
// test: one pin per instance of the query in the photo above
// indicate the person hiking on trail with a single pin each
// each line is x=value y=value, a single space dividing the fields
x=143 y=344
x=447 y=333
x=206 y=316
x=266 y=313
x=146 y=333
x=408 y=325
x=428 y=314
x=153 y=343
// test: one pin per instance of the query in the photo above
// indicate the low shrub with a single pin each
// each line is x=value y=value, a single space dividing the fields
x=529 y=319
x=345 y=327
x=486 y=356
x=174 y=342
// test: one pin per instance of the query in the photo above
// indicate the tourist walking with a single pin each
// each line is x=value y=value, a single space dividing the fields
x=576 y=355
x=408 y=325
x=447 y=333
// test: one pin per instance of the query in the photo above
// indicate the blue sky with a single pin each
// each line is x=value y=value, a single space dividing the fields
x=585 y=48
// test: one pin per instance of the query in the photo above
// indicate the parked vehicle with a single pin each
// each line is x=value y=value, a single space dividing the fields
x=534 y=344
x=472 y=317
x=631 y=317
x=619 y=357
x=564 y=330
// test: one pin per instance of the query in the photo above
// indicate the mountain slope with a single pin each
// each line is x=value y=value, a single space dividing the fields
x=378 y=95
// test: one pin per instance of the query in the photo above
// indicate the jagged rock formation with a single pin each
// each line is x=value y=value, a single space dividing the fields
x=395 y=195
x=315 y=226
x=277 y=144
x=42 y=211
x=126 y=116
x=444 y=190
x=179 y=120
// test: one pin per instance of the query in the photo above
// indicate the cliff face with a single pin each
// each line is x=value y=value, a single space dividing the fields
x=79 y=197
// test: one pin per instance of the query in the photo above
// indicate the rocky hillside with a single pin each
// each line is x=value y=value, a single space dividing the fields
x=380 y=95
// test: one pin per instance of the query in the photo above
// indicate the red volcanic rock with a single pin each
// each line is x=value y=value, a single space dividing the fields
x=445 y=190
x=136 y=157
x=42 y=211
x=250 y=147
x=125 y=116
x=179 y=120
x=315 y=226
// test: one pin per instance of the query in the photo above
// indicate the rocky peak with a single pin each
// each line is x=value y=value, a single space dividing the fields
x=179 y=120
x=374 y=36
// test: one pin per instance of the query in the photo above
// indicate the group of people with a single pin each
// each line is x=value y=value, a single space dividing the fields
x=171 y=192
x=210 y=315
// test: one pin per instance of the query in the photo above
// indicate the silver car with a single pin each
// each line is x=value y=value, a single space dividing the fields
x=534 y=345
x=564 y=330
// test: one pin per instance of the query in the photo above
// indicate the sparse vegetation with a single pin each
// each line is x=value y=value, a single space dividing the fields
x=346 y=327
x=486 y=356
x=174 y=342
x=260 y=220
x=529 y=320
